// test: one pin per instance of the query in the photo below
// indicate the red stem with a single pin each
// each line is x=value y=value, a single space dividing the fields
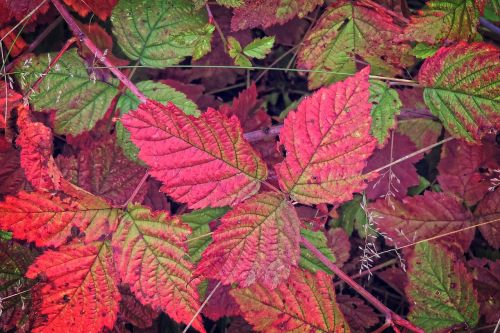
x=263 y=134
x=98 y=53
x=388 y=313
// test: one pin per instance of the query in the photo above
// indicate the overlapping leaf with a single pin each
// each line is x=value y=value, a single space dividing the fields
x=134 y=312
x=50 y=218
x=421 y=131
x=201 y=161
x=258 y=241
x=346 y=30
x=357 y=313
x=489 y=210
x=161 y=33
x=386 y=106
x=221 y=304
x=101 y=8
x=80 y=100
x=463 y=90
x=307 y=259
x=80 y=290
x=486 y=275
x=12 y=177
x=327 y=142
x=424 y=216
x=440 y=290
x=149 y=250
x=305 y=303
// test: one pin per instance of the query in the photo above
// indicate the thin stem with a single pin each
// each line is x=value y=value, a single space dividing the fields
x=136 y=190
x=388 y=313
x=98 y=53
x=201 y=307
x=217 y=27
x=263 y=134
x=261 y=75
x=14 y=295
x=487 y=24
x=199 y=237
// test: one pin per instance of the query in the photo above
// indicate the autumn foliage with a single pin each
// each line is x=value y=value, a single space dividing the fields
x=249 y=166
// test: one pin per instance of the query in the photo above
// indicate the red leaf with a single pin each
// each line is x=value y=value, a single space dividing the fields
x=486 y=274
x=102 y=169
x=80 y=289
x=396 y=180
x=359 y=315
x=150 y=250
x=338 y=242
x=306 y=303
x=488 y=210
x=133 y=312
x=463 y=169
x=258 y=241
x=8 y=100
x=327 y=142
x=416 y=218
x=11 y=174
x=395 y=277
x=265 y=13
x=221 y=304
x=201 y=161
x=101 y=8
x=19 y=9
x=49 y=219
x=12 y=41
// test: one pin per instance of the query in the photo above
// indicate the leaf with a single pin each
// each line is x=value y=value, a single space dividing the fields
x=308 y=260
x=230 y=3
x=440 y=290
x=200 y=238
x=422 y=50
x=8 y=100
x=235 y=52
x=49 y=219
x=133 y=312
x=80 y=290
x=221 y=304
x=488 y=209
x=201 y=161
x=462 y=169
x=149 y=249
x=265 y=13
x=257 y=242
x=259 y=47
x=358 y=315
x=103 y=170
x=339 y=244
x=11 y=174
x=422 y=132
x=305 y=303
x=486 y=274
x=386 y=106
x=416 y=218
x=79 y=99
x=101 y=8
x=19 y=9
x=352 y=217
x=444 y=21
x=159 y=33
x=327 y=143
x=393 y=181
x=346 y=30
x=462 y=88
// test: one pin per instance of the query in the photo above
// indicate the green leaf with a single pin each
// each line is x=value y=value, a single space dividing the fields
x=440 y=290
x=307 y=259
x=492 y=11
x=154 y=90
x=161 y=33
x=386 y=105
x=353 y=217
x=422 y=185
x=204 y=44
x=235 y=52
x=230 y=3
x=79 y=99
x=242 y=61
x=423 y=50
x=259 y=47
x=5 y=235
x=199 y=220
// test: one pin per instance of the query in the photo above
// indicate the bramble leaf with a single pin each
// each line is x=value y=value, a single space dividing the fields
x=486 y=274
x=149 y=249
x=305 y=303
x=12 y=177
x=307 y=259
x=160 y=33
x=386 y=106
x=488 y=209
x=80 y=290
x=101 y=8
x=421 y=131
x=201 y=161
x=80 y=100
x=258 y=241
x=259 y=47
x=327 y=143
x=463 y=90
x=440 y=290
x=346 y=30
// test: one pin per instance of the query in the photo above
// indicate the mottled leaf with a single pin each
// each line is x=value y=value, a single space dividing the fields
x=202 y=161
x=149 y=249
x=305 y=303
x=258 y=241
x=386 y=106
x=463 y=90
x=440 y=290
x=327 y=143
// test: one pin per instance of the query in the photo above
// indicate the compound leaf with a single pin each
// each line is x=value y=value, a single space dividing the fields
x=259 y=47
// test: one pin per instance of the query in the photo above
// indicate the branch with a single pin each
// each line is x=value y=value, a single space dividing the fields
x=390 y=316
x=98 y=53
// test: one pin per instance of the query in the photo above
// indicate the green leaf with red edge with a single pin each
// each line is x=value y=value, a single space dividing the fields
x=463 y=90
x=50 y=218
x=201 y=161
x=150 y=253
x=327 y=142
x=444 y=21
x=488 y=209
x=100 y=8
x=305 y=303
x=440 y=290
x=265 y=13
x=79 y=289
x=258 y=241
x=347 y=30
x=417 y=218
x=386 y=106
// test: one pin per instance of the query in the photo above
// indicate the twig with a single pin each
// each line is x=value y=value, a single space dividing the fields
x=136 y=190
x=390 y=316
x=201 y=307
x=98 y=53
x=217 y=27
x=487 y=24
